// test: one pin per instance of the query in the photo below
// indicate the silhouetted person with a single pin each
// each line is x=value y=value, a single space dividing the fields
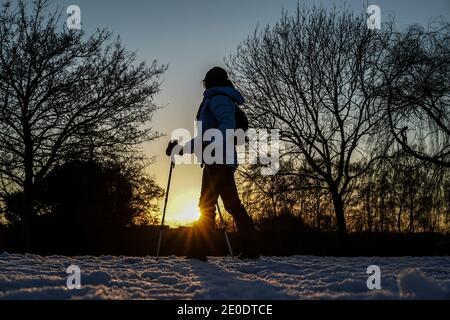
x=217 y=110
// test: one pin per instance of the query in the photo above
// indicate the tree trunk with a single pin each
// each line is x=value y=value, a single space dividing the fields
x=382 y=213
x=27 y=214
x=28 y=196
x=411 y=212
x=340 y=216
x=399 y=217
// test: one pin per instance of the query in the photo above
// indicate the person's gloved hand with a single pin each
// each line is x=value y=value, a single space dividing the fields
x=170 y=147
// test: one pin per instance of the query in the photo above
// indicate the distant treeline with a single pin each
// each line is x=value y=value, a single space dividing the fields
x=280 y=239
x=397 y=194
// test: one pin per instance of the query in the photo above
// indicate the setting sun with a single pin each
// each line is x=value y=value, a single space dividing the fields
x=189 y=214
x=183 y=211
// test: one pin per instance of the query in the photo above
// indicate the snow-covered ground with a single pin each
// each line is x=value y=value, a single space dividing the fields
x=296 y=277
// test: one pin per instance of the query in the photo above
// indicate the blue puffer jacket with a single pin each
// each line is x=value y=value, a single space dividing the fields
x=217 y=111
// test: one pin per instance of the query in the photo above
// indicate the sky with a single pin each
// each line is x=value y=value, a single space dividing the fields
x=191 y=36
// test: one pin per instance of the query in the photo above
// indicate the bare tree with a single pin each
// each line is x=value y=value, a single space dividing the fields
x=309 y=76
x=416 y=91
x=65 y=94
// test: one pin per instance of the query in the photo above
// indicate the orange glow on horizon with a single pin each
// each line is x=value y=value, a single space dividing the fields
x=182 y=210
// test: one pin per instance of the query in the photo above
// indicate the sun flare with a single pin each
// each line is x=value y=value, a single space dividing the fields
x=184 y=210
x=190 y=214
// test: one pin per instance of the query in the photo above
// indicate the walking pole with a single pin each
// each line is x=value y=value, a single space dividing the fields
x=220 y=212
x=224 y=230
x=161 y=230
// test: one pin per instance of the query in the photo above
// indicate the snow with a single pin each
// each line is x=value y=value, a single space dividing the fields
x=415 y=284
x=296 y=277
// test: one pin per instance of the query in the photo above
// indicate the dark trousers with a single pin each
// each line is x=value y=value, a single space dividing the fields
x=218 y=180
